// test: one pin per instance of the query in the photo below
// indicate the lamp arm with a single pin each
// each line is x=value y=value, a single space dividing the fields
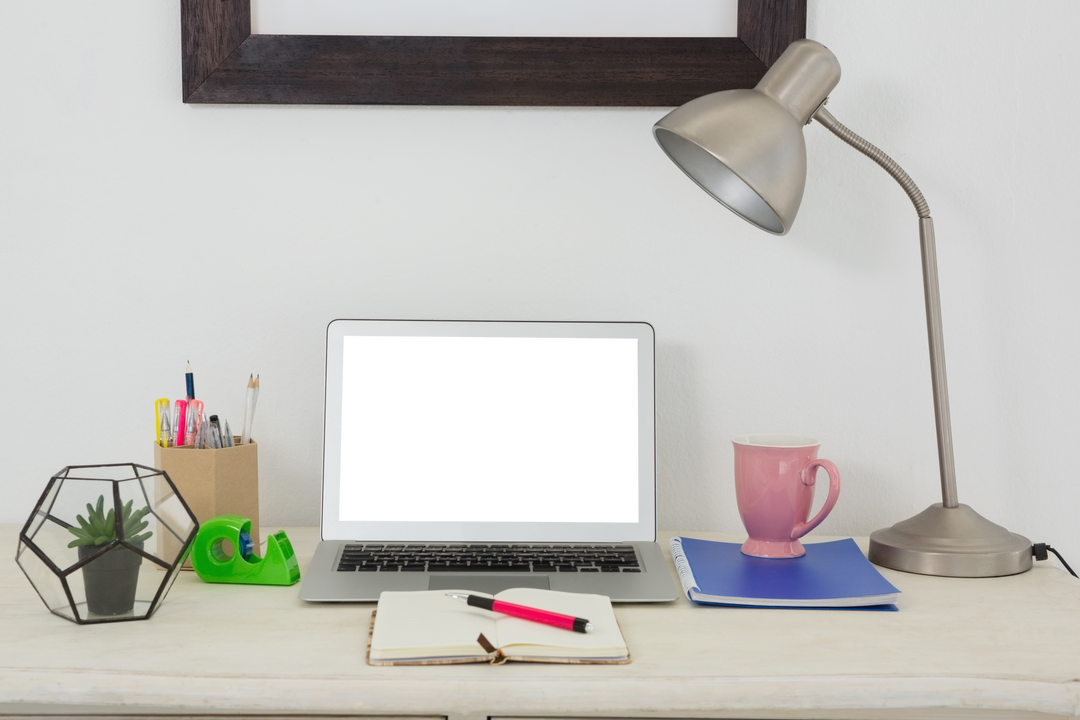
x=932 y=297
x=868 y=149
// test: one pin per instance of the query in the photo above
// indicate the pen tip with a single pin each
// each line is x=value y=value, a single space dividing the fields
x=589 y=627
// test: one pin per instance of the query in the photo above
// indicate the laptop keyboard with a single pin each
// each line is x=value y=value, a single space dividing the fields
x=380 y=557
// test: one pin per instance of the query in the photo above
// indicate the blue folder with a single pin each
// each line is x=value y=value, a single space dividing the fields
x=831 y=575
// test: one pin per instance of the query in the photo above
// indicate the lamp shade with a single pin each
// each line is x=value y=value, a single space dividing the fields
x=746 y=147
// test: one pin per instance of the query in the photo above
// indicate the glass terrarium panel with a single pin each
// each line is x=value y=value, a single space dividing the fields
x=120 y=471
x=174 y=522
x=136 y=506
x=43 y=507
x=74 y=497
x=119 y=583
x=47 y=583
x=53 y=538
x=143 y=472
x=170 y=579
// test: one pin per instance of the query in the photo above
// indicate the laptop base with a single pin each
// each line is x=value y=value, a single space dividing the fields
x=324 y=584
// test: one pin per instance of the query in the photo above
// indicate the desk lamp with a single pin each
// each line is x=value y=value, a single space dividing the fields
x=746 y=149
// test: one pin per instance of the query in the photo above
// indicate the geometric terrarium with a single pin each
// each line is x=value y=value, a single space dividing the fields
x=106 y=542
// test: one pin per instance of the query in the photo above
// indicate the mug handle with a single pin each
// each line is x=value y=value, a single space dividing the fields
x=809 y=476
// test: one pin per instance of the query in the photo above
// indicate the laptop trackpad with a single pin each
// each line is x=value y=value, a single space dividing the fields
x=489 y=584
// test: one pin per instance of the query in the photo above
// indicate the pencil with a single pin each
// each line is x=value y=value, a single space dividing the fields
x=190 y=378
x=249 y=411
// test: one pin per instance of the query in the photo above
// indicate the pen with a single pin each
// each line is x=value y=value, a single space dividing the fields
x=215 y=433
x=161 y=421
x=181 y=423
x=566 y=622
x=165 y=431
x=194 y=415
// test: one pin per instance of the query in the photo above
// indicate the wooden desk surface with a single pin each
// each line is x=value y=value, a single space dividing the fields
x=996 y=648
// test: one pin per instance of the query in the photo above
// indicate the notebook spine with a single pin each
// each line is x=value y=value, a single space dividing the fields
x=682 y=566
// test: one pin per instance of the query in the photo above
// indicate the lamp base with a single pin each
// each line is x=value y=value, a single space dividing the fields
x=950 y=542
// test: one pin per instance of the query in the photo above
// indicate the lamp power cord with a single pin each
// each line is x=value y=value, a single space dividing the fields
x=1042 y=551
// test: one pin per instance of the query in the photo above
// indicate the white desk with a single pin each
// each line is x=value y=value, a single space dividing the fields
x=992 y=648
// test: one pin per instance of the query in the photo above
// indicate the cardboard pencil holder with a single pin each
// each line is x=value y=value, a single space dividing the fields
x=214 y=482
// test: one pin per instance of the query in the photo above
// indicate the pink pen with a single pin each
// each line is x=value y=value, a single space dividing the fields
x=181 y=423
x=566 y=622
x=194 y=416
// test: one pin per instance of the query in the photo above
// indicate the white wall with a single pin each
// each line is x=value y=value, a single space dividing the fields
x=138 y=233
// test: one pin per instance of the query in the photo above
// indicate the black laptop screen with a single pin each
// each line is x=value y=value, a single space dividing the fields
x=489 y=429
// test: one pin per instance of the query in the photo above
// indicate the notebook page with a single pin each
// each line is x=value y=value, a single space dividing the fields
x=428 y=623
x=526 y=638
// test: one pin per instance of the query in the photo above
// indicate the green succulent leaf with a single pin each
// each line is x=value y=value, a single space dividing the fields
x=82 y=537
x=84 y=525
x=99 y=527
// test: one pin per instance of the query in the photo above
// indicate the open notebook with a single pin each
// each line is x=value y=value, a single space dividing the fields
x=428 y=627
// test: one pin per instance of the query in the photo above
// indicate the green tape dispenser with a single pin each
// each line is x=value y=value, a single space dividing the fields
x=214 y=564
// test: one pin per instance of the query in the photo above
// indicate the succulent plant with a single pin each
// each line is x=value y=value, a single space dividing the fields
x=99 y=528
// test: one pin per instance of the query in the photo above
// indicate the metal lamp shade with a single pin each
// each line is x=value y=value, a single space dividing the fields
x=746 y=147
x=745 y=150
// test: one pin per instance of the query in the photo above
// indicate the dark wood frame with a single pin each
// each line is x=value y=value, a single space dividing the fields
x=224 y=63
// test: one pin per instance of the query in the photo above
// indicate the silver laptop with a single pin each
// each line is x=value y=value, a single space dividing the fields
x=488 y=455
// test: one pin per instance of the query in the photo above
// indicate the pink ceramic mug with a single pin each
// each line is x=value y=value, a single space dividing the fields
x=774 y=486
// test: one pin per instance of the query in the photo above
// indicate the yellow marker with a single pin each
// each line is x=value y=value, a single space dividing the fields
x=161 y=404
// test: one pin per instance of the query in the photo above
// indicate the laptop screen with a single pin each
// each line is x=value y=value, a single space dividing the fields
x=469 y=429
x=488 y=431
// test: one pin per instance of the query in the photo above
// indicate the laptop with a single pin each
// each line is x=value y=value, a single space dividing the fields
x=488 y=455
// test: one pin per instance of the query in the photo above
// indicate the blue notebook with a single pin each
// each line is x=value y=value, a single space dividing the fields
x=830 y=575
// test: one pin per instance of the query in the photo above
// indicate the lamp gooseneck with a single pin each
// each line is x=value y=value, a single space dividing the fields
x=948 y=539
x=935 y=334
x=873 y=152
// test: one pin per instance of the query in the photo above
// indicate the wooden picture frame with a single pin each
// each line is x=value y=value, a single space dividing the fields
x=224 y=63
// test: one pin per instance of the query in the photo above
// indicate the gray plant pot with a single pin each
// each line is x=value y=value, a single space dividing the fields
x=111 y=580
